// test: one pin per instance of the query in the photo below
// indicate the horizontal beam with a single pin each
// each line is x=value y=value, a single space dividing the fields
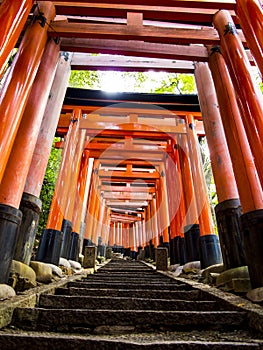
x=128 y=175
x=82 y=61
x=129 y=204
x=135 y=47
x=127 y=196
x=146 y=125
x=108 y=155
x=160 y=13
x=151 y=148
x=207 y=36
x=212 y=4
x=126 y=189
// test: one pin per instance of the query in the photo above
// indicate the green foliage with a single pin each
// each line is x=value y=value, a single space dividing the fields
x=48 y=187
x=177 y=84
x=85 y=79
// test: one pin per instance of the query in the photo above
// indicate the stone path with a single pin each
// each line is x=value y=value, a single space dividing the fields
x=127 y=305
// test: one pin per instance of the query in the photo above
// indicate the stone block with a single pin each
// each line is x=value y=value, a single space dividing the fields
x=162 y=259
x=43 y=271
x=22 y=276
x=241 y=285
x=255 y=295
x=225 y=279
x=6 y=292
x=90 y=254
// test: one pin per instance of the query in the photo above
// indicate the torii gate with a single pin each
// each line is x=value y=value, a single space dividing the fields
x=30 y=108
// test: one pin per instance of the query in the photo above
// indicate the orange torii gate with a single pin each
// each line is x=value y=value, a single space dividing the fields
x=121 y=28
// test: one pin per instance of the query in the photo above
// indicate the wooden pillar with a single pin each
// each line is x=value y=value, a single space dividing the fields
x=93 y=193
x=79 y=203
x=11 y=187
x=94 y=233
x=191 y=225
x=13 y=16
x=84 y=205
x=48 y=127
x=176 y=206
x=249 y=99
x=111 y=235
x=46 y=134
x=250 y=15
x=228 y=210
x=154 y=223
x=13 y=101
x=71 y=193
x=59 y=202
x=48 y=252
x=14 y=95
x=163 y=206
x=248 y=184
x=209 y=245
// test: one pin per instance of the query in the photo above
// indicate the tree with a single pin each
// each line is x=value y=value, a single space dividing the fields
x=85 y=79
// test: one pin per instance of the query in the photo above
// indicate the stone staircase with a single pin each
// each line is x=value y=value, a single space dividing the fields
x=127 y=305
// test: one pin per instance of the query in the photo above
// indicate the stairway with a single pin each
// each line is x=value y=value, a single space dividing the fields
x=127 y=305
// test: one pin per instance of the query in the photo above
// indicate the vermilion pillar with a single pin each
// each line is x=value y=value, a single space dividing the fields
x=11 y=187
x=13 y=100
x=176 y=206
x=163 y=206
x=209 y=244
x=51 y=240
x=14 y=95
x=72 y=190
x=248 y=184
x=83 y=241
x=80 y=193
x=249 y=99
x=191 y=226
x=250 y=15
x=13 y=16
x=93 y=193
x=228 y=210
x=48 y=127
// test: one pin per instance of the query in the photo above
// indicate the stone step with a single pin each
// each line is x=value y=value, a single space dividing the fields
x=122 y=303
x=140 y=278
x=129 y=285
x=47 y=341
x=134 y=280
x=143 y=293
x=90 y=321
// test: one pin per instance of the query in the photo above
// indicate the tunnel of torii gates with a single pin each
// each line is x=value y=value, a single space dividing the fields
x=131 y=176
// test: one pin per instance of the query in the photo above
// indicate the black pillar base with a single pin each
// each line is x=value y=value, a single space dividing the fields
x=127 y=252
x=182 y=251
x=133 y=255
x=210 y=252
x=229 y=230
x=101 y=250
x=166 y=245
x=66 y=240
x=74 y=247
x=152 y=251
x=147 y=252
x=172 y=252
x=10 y=220
x=50 y=247
x=191 y=239
x=177 y=249
x=252 y=229
x=86 y=242
x=30 y=207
